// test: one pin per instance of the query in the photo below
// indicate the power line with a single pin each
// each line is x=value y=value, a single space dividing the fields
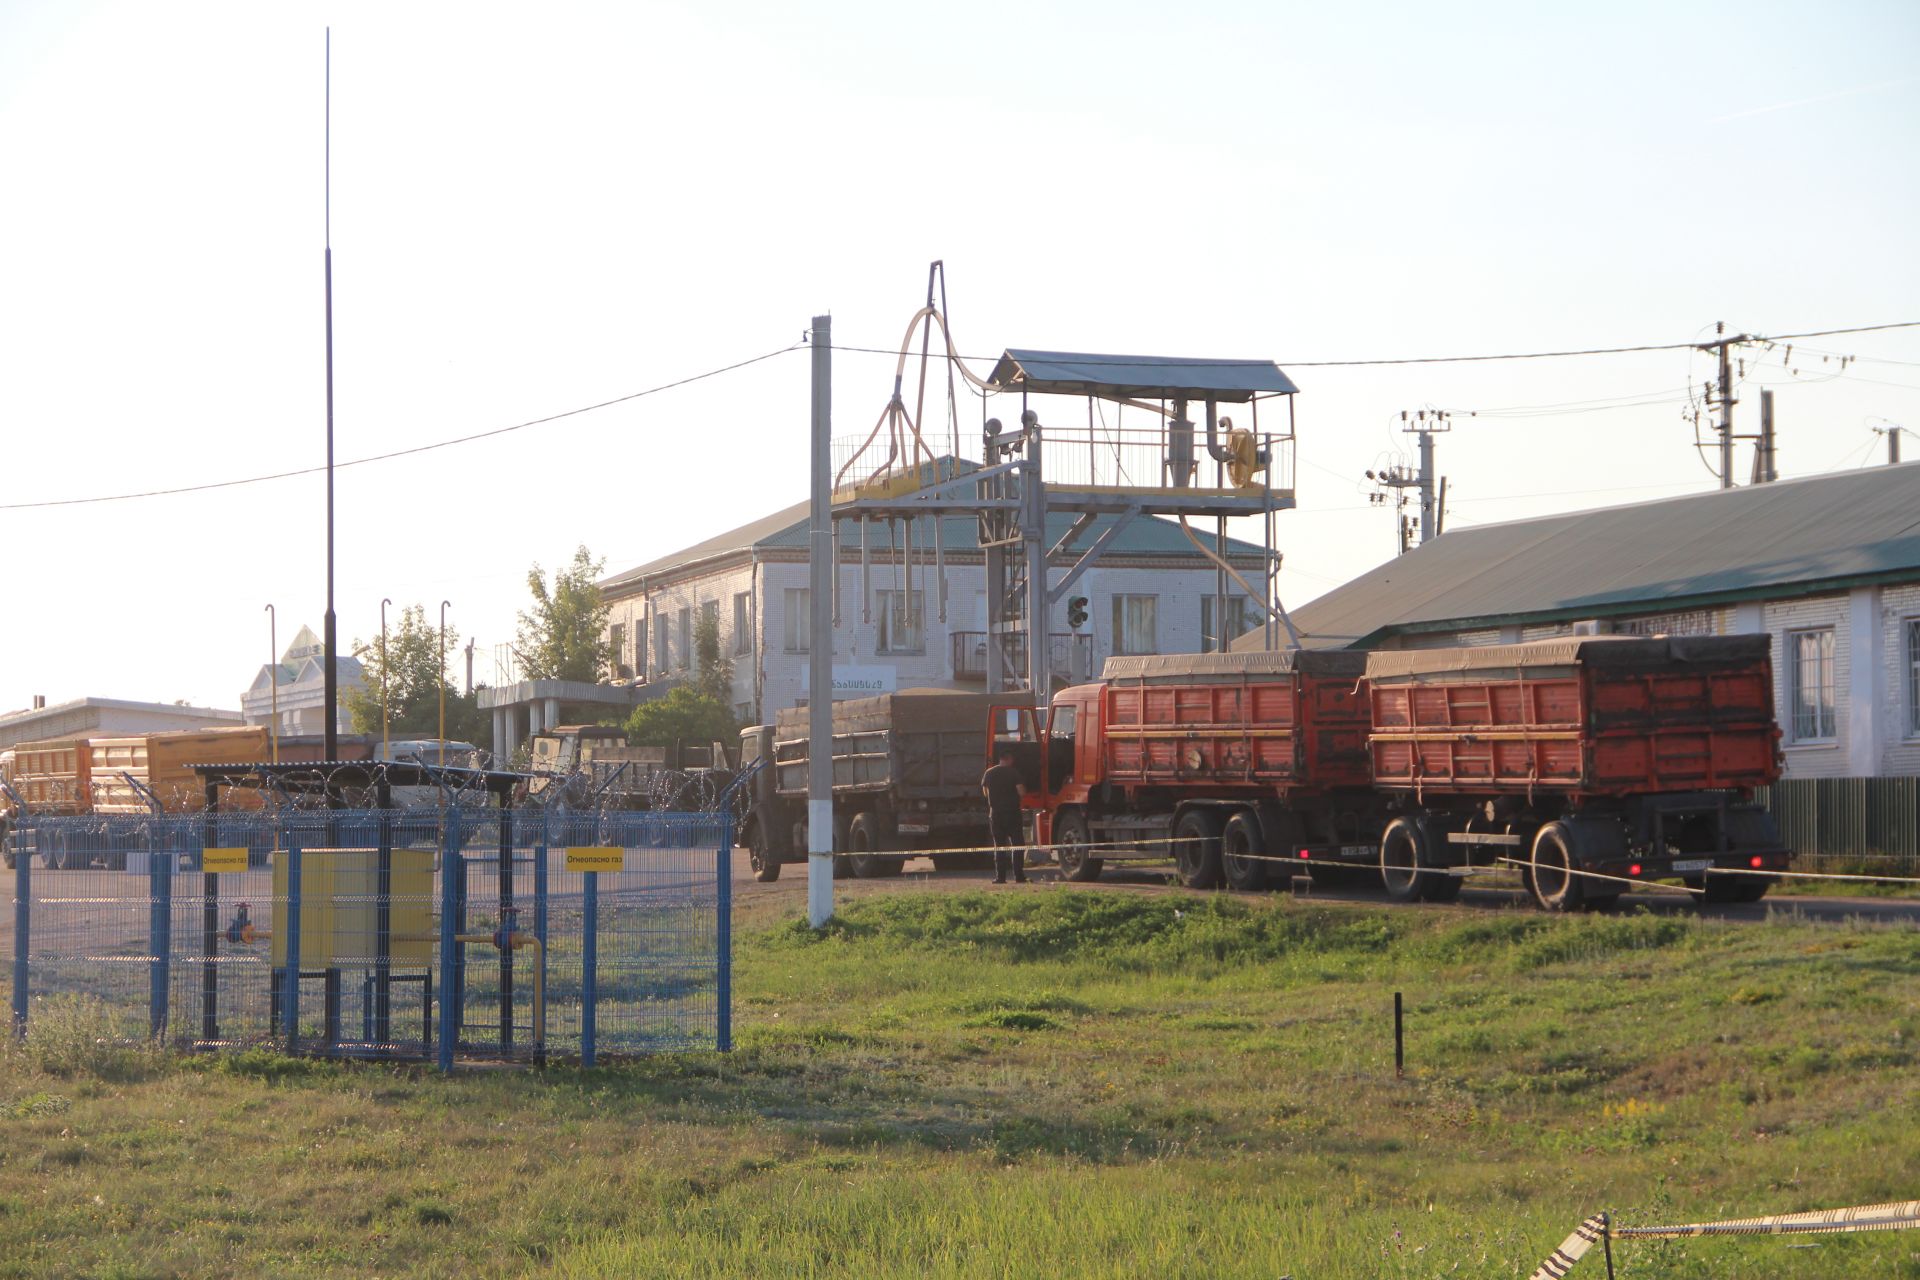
x=399 y=453
x=1405 y=360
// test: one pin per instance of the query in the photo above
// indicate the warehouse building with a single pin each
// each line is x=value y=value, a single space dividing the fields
x=1829 y=566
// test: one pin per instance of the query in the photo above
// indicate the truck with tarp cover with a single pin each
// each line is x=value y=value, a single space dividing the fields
x=1589 y=762
x=1222 y=760
x=906 y=778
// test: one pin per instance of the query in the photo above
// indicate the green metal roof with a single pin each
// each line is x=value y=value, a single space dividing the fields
x=1789 y=538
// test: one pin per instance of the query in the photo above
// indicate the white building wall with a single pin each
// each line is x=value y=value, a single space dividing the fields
x=1900 y=744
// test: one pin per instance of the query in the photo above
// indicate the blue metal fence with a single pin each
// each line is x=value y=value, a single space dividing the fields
x=422 y=933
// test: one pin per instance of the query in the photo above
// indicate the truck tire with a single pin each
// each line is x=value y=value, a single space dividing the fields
x=1550 y=873
x=1196 y=848
x=1747 y=828
x=840 y=866
x=760 y=854
x=866 y=837
x=1071 y=842
x=1407 y=869
x=1242 y=847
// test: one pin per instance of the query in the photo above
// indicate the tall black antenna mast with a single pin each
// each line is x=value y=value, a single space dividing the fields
x=332 y=730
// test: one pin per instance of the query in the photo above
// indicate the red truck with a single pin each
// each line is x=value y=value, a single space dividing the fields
x=1632 y=759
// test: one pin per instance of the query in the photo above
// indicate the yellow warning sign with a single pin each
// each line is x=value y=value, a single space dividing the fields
x=596 y=858
x=214 y=861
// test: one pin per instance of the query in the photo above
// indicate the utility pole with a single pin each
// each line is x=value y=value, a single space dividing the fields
x=1423 y=423
x=821 y=572
x=1764 y=460
x=1722 y=397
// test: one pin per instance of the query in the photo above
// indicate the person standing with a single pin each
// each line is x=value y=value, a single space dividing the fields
x=1001 y=786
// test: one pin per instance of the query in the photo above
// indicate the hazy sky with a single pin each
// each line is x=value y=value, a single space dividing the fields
x=540 y=208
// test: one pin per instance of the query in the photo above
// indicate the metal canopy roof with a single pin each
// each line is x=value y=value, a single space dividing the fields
x=1153 y=377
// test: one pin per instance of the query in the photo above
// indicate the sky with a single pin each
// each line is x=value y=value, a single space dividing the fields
x=535 y=210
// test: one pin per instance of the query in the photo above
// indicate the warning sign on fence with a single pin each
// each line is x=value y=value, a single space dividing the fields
x=215 y=861
x=596 y=858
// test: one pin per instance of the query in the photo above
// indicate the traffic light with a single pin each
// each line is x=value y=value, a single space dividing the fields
x=1076 y=612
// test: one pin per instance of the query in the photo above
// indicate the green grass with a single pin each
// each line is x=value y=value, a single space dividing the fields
x=1050 y=1083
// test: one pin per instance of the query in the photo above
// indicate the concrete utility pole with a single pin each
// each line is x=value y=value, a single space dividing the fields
x=820 y=579
x=1723 y=397
x=1423 y=423
x=1764 y=461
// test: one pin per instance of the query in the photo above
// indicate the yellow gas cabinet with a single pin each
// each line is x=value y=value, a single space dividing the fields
x=340 y=908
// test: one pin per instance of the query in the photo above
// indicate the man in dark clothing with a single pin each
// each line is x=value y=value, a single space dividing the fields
x=1001 y=786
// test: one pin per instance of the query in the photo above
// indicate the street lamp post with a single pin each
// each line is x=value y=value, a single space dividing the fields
x=273 y=675
x=386 y=744
x=443 y=682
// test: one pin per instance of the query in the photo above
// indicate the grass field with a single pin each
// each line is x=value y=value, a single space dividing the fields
x=1047 y=1083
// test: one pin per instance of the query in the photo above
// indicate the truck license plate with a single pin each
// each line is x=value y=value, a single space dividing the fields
x=1358 y=851
x=1692 y=864
x=914 y=828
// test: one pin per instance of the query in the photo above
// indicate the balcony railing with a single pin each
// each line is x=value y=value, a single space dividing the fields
x=1069 y=657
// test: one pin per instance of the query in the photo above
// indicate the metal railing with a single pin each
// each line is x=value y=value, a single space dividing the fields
x=1069 y=657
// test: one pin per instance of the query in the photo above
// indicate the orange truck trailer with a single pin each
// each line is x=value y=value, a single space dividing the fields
x=1589 y=763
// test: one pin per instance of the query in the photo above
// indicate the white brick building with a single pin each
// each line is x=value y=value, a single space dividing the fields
x=1151 y=592
x=1829 y=566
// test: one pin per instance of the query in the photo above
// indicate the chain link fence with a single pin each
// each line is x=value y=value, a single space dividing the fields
x=436 y=933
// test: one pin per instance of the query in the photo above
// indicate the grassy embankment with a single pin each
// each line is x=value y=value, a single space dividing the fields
x=1051 y=1084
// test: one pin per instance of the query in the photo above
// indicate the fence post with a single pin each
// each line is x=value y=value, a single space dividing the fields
x=589 y=962
x=723 y=860
x=160 y=936
x=450 y=994
x=290 y=1002
x=22 y=918
x=540 y=932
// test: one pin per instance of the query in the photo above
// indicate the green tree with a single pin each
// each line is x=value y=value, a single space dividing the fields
x=564 y=635
x=413 y=665
x=713 y=668
x=684 y=715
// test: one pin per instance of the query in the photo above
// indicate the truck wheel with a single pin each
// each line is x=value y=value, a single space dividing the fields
x=1242 y=848
x=1196 y=848
x=1406 y=866
x=863 y=841
x=766 y=867
x=1550 y=875
x=1071 y=843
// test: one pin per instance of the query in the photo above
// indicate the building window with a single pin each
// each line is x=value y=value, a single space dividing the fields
x=1812 y=691
x=662 y=646
x=1239 y=620
x=1913 y=677
x=617 y=634
x=742 y=622
x=899 y=619
x=1135 y=623
x=799 y=618
x=640 y=645
x=683 y=657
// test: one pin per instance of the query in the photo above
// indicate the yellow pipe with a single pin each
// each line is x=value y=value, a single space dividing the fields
x=519 y=940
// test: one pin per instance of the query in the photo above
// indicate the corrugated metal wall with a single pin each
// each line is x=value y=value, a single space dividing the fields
x=1848 y=817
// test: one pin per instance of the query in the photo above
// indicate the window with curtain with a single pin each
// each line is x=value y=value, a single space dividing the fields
x=1812 y=678
x=799 y=611
x=1239 y=620
x=742 y=622
x=897 y=620
x=1136 y=624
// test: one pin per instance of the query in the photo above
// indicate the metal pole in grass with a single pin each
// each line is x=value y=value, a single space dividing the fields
x=589 y=962
x=22 y=917
x=449 y=987
x=1606 y=1241
x=540 y=932
x=723 y=867
x=823 y=577
x=290 y=1003
x=160 y=938
x=1399 y=1040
